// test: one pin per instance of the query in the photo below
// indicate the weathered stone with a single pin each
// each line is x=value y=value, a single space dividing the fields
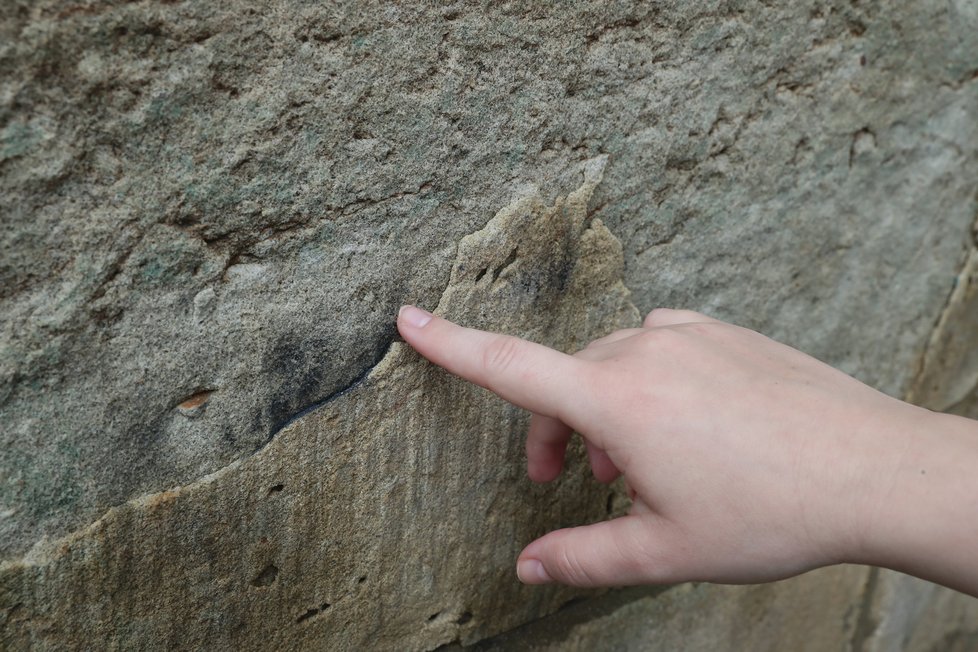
x=388 y=517
x=210 y=197
x=911 y=615
x=209 y=213
x=948 y=378
x=818 y=611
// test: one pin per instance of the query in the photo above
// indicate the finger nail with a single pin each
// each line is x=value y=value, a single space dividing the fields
x=531 y=571
x=414 y=316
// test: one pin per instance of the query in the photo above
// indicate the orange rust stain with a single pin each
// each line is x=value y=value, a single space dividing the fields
x=160 y=499
x=196 y=400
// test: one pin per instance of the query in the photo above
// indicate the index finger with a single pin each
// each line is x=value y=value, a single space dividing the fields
x=530 y=375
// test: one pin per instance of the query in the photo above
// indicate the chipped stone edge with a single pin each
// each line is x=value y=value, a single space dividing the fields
x=45 y=549
x=918 y=391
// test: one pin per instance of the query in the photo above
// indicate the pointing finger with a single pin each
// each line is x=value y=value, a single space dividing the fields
x=529 y=375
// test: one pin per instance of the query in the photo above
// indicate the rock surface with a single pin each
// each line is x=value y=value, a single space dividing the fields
x=820 y=611
x=386 y=518
x=209 y=213
x=912 y=615
x=948 y=377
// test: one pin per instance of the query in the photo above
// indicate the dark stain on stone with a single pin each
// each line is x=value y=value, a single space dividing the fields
x=464 y=618
x=275 y=489
x=283 y=410
x=513 y=255
x=311 y=613
x=267 y=577
x=564 y=274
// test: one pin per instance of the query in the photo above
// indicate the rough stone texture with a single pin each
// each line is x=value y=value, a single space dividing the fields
x=948 y=377
x=387 y=518
x=817 y=612
x=912 y=615
x=210 y=212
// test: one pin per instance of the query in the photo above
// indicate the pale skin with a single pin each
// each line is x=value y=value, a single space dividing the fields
x=746 y=460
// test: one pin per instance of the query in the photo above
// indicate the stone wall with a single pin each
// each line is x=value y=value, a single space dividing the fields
x=211 y=211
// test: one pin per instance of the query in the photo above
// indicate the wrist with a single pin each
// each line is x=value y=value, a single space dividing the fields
x=920 y=513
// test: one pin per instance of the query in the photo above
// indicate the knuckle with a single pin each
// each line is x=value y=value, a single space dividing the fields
x=700 y=330
x=670 y=317
x=500 y=354
x=657 y=316
x=588 y=354
x=656 y=339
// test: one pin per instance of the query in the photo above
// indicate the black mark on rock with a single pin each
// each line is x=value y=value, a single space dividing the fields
x=464 y=618
x=863 y=141
x=309 y=379
x=312 y=613
x=267 y=576
x=506 y=264
x=275 y=489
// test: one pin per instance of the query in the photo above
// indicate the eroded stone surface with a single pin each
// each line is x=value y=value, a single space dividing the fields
x=387 y=518
x=210 y=211
x=911 y=615
x=948 y=378
x=818 y=611
x=217 y=197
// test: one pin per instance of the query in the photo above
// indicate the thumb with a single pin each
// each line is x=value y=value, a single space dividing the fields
x=611 y=553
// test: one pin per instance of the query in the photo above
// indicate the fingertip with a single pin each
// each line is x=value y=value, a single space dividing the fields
x=543 y=472
x=532 y=571
x=412 y=318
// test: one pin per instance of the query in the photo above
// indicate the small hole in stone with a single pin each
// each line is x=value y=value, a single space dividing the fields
x=361 y=579
x=195 y=400
x=481 y=274
x=306 y=616
x=267 y=576
x=464 y=618
x=277 y=488
x=315 y=611
x=506 y=264
x=433 y=616
x=194 y=404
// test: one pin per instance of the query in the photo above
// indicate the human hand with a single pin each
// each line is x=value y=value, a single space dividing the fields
x=747 y=461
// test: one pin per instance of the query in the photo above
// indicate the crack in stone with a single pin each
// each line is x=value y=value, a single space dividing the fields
x=312 y=407
x=917 y=391
x=317 y=456
x=358 y=381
